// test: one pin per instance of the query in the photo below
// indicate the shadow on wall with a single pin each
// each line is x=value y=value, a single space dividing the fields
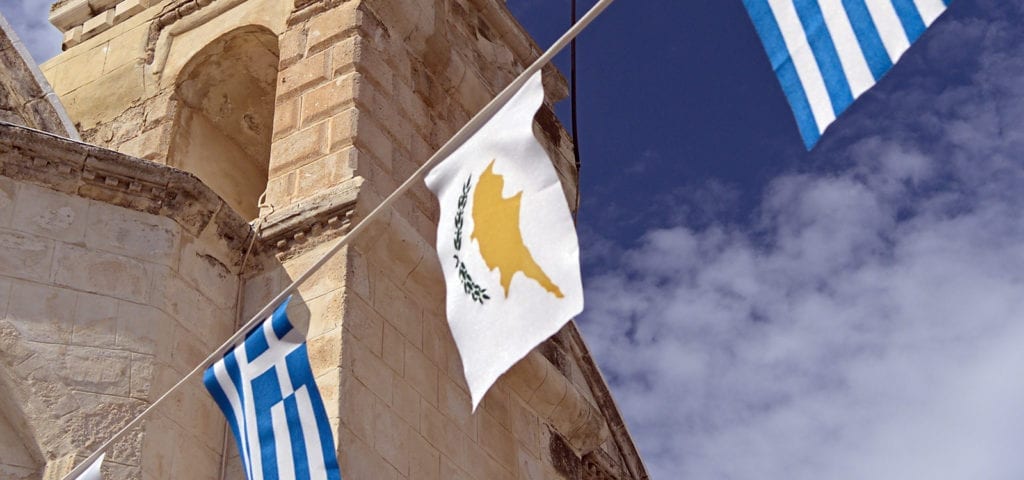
x=223 y=126
x=20 y=459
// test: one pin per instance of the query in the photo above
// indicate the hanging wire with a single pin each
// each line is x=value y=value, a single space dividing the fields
x=572 y=101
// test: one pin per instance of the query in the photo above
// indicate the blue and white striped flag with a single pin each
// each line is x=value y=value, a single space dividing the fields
x=826 y=53
x=265 y=388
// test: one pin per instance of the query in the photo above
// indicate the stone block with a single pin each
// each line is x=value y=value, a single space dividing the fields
x=406 y=402
x=424 y=459
x=194 y=460
x=442 y=433
x=74 y=12
x=141 y=383
x=8 y=194
x=298 y=149
x=358 y=460
x=187 y=350
x=496 y=404
x=371 y=370
x=451 y=471
x=394 y=349
x=526 y=427
x=422 y=374
x=42 y=313
x=371 y=138
x=102 y=100
x=73 y=36
x=129 y=46
x=455 y=403
x=330 y=277
x=100 y=272
x=144 y=329
x=95 y=321
x=51 y=214
x=372 y=63
x=391 y=437
x=356 y=401
x=305 y=73
x=480 y=465
x=151 y=145
x=170 y=294
x=529 y=465
x=328 y=99
x=128 y=8
x=74 y=71
x=364 y=324
x=201 y=267
x=25 y=256
x=399 y=310
x=281 y=189
x=5 y=296
x=338 y=22
x=159 y=444
x=98 y=370
x=100 y=23
x=436 y=337
x=345 y=54
x=286 y=117
x=343 y=129
x=497 y=441
x=133 y=234
x=159 y=109
x=292 y=46
x=317 y=176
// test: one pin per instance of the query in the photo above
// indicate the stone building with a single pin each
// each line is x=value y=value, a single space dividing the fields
x=127 y=255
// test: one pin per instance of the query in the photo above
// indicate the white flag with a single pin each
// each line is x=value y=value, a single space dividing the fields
x=506 y=241
x=93 y=472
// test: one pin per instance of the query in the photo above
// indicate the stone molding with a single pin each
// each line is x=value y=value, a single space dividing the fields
x=104 y=175
x=312 y=221
x=558 y=402
x=173 y=13
x=27 y=90
x=81 y=20
x=605 y=402
x=597 y=465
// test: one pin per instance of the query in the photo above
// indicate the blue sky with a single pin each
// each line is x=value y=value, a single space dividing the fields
x=762 y=312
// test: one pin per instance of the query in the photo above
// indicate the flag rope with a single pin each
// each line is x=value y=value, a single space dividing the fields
x=447 y=149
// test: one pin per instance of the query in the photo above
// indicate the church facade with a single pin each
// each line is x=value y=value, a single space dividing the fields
x=183 y=160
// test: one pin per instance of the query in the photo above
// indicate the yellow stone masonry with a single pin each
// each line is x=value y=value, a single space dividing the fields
x=119 y=271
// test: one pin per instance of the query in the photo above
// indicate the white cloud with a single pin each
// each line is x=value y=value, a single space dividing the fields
x=870 y=323
x=30 y=20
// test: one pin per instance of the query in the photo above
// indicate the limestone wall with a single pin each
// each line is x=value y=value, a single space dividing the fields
x=359 y=108
x=365 y=91
x=25 y=96
x=115 y=280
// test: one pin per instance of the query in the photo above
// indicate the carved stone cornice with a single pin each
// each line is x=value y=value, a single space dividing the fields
x=167 y=17
x=598 y=465
x=312 y=221
x=103 y=175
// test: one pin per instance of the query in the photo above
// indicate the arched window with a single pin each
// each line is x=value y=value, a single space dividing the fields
x=225 y=116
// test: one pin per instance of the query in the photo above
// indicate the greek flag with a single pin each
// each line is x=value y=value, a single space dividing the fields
x=826 y=53
x=265 y=388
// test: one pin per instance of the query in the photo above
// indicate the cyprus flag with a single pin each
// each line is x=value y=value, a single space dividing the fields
x=506 y=242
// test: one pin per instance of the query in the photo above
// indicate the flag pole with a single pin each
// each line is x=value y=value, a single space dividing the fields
x=446 y=150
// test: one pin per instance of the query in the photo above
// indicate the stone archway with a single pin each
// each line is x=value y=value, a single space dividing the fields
x=20 y=457
x=224 y=120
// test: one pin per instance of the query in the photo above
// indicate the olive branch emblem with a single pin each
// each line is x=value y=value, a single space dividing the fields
x=473 y=289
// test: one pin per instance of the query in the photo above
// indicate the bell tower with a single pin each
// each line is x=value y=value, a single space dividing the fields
x=302 y=115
